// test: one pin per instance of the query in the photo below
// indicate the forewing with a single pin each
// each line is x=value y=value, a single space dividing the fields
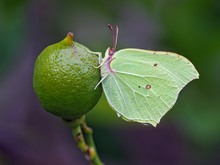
x=139 y=92
x=176 y=66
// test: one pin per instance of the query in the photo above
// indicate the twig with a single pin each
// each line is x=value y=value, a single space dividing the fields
x=88 y=132
x=83 y=137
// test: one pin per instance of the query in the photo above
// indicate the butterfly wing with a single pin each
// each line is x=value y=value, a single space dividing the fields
x=178 y=67
x=143 y=87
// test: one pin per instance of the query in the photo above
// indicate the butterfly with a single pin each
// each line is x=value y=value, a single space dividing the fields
x=143 y=85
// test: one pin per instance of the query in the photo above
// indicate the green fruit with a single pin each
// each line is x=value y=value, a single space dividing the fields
x=65 y=77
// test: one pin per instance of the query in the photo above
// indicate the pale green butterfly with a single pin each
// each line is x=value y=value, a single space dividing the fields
x=142 y=85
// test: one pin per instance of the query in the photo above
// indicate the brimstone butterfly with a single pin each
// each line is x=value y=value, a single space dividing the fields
x=142 y=85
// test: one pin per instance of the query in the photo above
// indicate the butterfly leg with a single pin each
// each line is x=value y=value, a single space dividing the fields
x=103 y=61
x=103 y=78
x=99 y=56
x=100 y=59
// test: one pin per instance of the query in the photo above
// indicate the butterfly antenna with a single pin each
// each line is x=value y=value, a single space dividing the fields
x=116 y=37
x=113 y=36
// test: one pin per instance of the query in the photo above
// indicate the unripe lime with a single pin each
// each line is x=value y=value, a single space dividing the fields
x=65 y=77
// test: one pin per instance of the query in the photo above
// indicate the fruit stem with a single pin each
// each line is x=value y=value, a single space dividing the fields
x=83 y=136
x=68 y=40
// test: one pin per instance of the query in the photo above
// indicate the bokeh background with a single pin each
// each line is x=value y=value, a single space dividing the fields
x=188 y=134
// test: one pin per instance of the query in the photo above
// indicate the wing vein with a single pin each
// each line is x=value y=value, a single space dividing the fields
x=129 y=87
x=146 y=63
x=134 y=91
x=122 y=95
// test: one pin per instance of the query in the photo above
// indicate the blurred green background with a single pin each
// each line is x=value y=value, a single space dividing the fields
x=188 y=134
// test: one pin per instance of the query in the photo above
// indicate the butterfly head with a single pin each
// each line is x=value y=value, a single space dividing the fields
x=111 y=51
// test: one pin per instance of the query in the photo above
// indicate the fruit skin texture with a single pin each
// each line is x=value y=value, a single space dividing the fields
x=65 y=77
